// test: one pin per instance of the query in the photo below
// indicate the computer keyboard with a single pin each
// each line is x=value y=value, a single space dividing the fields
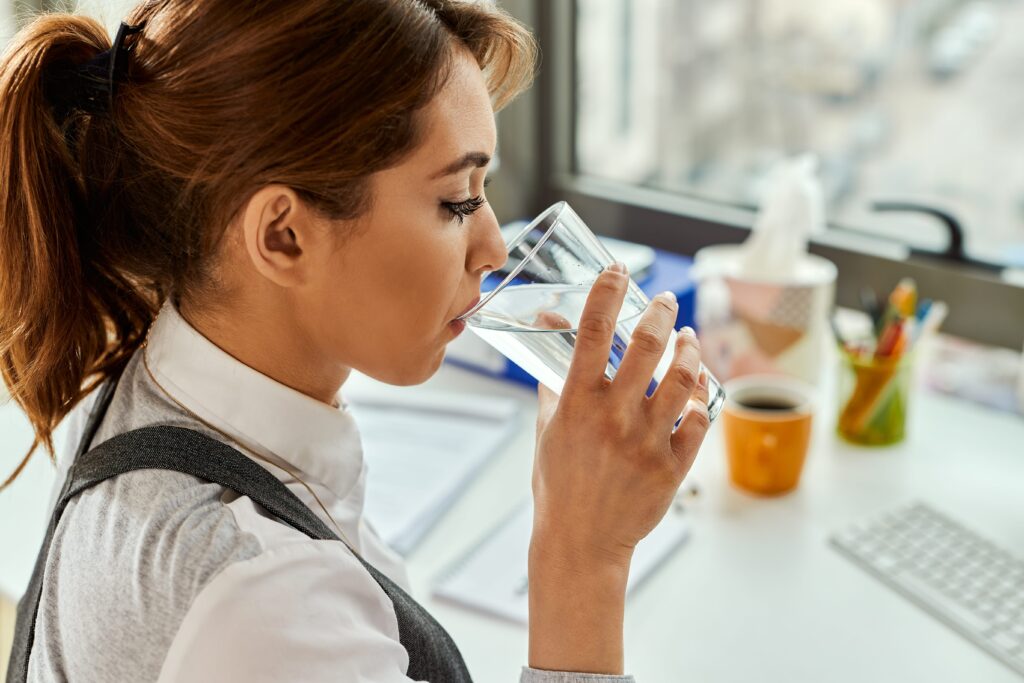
x=966 y=581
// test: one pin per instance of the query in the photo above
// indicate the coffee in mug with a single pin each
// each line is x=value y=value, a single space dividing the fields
x=767 y=431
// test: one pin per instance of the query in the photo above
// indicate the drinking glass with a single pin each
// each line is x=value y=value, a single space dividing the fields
x=532 y=313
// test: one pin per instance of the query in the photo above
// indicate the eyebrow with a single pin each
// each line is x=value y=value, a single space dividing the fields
x=477 y=159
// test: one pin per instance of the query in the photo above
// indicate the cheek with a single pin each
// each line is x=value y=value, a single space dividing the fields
x=432 y=271
x=386 y=304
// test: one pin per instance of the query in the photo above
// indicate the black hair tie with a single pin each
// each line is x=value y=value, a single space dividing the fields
x=90 y=87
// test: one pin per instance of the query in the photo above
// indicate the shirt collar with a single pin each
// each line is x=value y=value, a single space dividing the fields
x=253 y=409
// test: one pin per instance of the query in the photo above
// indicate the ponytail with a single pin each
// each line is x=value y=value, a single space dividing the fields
x=65 y=313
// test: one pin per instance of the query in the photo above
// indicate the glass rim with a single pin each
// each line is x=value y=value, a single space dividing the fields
x=558 y=207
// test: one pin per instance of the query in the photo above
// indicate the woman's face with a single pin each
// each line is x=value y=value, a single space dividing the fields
x=384 y=301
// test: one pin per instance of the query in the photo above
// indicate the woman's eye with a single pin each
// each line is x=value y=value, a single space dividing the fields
x=461 y=210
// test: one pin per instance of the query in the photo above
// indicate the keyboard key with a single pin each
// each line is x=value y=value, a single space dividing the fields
x=885 y=562
x=962 y=613
x=1006 y=641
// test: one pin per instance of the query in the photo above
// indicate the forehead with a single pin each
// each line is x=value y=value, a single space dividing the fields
x=460 y=118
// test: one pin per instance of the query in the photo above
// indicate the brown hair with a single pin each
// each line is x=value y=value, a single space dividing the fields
x=104 y=215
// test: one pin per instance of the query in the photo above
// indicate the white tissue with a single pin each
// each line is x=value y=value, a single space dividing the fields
x=793 y=209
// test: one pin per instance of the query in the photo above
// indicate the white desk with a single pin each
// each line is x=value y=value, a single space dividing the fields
x=756 y=594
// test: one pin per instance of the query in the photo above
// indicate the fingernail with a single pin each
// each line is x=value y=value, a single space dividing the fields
x=668 y=296
x=689 y=331
x=618 y=267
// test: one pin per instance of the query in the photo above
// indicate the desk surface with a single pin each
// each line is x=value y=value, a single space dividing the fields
x=756 y=593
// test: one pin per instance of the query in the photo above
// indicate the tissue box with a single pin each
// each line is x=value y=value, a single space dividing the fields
x=668 y=271
x=758 y=325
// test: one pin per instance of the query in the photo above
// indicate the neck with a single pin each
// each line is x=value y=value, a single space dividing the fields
x=272 y=345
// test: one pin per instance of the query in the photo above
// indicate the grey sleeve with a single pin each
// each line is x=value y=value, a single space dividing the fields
x=540 y=676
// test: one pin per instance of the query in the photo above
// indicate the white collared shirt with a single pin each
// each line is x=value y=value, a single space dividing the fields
x=318 y=442
x=195 y=583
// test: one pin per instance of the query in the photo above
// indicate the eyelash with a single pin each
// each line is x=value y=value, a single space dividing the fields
x=462 y=210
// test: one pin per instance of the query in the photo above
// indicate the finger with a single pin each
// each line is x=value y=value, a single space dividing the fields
x=703 y=391
x=550 y=320
x=595 y=331
x=687 y=439
x=647 y=346
x=680 y=380
x=699 y=397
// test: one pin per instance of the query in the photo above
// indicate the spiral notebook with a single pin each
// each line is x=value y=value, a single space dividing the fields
x=491 y=576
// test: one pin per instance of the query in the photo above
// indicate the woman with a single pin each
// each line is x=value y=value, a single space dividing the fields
x=217 y=218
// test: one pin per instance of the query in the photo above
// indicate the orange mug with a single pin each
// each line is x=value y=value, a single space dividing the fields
x=767 y=431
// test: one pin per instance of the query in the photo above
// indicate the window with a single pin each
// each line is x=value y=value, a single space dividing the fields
x=663 y=117
x=913 y=102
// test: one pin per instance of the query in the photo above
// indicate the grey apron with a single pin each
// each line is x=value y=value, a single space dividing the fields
x=432 y=653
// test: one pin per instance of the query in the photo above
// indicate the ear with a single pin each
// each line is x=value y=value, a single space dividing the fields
x=280 y=235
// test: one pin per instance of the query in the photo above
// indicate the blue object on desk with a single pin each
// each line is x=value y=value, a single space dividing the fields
x=669 y=272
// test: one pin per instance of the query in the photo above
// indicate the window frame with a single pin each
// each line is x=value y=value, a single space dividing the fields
x=683 y=224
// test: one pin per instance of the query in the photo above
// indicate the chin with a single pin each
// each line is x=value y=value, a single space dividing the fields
x=411 y=374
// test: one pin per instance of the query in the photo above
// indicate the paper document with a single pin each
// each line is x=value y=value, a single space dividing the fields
x=422 y=449
x=491 y=577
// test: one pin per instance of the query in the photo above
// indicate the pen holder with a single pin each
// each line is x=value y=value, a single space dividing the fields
x=873 y=394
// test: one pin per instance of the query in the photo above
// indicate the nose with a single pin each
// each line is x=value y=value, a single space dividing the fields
x=487 y=250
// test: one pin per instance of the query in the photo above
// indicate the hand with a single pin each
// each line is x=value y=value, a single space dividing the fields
x=608 y=462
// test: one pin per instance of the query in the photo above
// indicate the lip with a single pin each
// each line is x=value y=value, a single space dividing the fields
x=472 y=303
x=457 y=326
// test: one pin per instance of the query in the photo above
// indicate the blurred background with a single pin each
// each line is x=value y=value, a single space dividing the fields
x=661 y=119
x=914 y=100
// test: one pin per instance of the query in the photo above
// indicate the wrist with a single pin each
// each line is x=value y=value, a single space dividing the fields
x=565 y=563
x=570 y=555
x=577 y=605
